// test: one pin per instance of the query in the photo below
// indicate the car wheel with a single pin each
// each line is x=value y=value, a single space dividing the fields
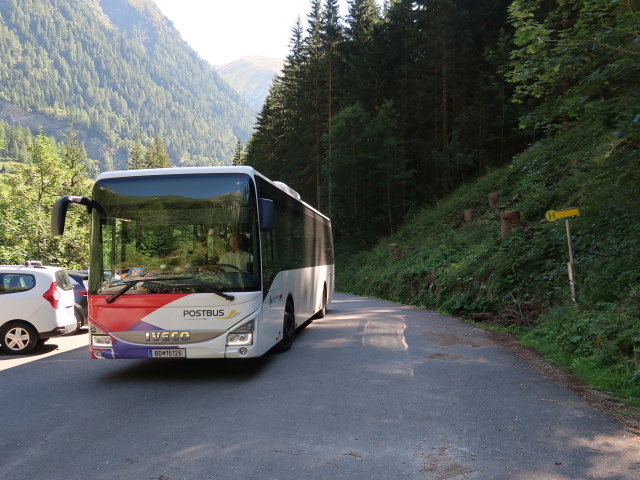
x=18 y=338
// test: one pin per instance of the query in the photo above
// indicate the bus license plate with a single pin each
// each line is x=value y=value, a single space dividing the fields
x=168 y=353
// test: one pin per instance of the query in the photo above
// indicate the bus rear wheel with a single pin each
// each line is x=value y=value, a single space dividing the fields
x=288 y=328
x=323 y=310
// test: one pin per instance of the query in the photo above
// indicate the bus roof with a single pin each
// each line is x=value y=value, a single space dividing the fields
x=175 y=171
x=252 y=172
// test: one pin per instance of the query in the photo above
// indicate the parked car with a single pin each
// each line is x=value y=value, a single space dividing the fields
x=79 y=282
x=36 y=303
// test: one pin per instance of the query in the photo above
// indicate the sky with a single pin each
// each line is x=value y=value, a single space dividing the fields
x=222 y=31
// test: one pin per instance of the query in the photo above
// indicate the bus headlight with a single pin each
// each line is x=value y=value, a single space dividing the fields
x=242 y=335
x=100 y=341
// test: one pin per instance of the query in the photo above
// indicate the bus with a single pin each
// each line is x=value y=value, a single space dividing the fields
x=200 y=262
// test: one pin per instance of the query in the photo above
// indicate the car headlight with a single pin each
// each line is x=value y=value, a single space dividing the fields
x=100 y=341
x=242 y=336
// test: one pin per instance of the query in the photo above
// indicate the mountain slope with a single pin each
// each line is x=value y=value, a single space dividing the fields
x=251 y=77
x=115 y=69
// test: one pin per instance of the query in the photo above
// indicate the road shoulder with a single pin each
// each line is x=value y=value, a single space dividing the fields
x=626 y=415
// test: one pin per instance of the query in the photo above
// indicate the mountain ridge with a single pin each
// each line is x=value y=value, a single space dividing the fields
x=251 y=76
x=113 y=70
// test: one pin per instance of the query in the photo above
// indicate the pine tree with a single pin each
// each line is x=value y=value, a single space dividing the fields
x=239 y=156
x=363 y=74
x=74 y=156
x=331 y=37
x=107 y=165
x=3 y=136
x=156 y=156
x=314 y=113
x=136 y=159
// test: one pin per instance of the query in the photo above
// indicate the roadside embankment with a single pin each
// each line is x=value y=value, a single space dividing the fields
x=456 y=257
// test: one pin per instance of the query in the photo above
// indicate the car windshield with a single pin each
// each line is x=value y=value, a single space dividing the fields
x=184 y=233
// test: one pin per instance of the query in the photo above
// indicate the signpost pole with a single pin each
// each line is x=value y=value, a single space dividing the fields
x=552 y=216
x=572 y=283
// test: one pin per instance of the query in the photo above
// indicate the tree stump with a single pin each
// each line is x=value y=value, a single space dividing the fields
x=508 y=220
x=393 y=249
x=468 y=215
x=493 y=199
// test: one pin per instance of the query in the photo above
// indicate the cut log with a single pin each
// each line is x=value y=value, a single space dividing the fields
x=508 y=220
x=468 y=215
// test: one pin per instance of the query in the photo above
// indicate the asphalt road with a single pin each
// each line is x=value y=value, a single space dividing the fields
x=372 y=391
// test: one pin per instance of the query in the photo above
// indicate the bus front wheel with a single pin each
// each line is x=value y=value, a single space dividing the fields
x=288 y=328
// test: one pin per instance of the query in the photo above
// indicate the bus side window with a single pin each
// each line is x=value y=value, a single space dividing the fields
x=328 y=244
x=268 y=248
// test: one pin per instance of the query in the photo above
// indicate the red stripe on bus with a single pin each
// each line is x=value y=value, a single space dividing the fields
x=113 y=315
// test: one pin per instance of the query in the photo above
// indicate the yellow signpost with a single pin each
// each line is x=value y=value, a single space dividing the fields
x=552 y=216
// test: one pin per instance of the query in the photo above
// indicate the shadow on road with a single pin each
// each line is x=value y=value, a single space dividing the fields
x=189 y=371
x=194 y=370
x=51 y=345
x=38 y=350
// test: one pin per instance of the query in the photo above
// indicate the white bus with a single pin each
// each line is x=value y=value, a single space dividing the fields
x=203 y=262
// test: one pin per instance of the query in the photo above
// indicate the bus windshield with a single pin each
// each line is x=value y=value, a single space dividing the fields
x=186 y=233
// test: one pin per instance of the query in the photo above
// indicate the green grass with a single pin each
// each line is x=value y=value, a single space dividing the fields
x=599 y=345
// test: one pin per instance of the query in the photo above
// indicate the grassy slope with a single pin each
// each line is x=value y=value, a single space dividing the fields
x=462 y=268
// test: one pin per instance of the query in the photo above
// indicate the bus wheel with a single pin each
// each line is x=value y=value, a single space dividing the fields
x=288 y=328
x=323 y=310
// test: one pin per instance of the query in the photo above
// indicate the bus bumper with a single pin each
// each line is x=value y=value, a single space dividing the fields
x=215 y=348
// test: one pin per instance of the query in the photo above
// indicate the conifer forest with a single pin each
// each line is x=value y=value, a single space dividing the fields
x=386 y=110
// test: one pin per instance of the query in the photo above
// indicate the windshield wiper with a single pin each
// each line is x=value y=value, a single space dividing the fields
x=208 y=288
x=131 y=283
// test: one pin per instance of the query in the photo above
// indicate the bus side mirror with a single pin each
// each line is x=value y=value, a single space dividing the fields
x=265 y=210
x=59 y=212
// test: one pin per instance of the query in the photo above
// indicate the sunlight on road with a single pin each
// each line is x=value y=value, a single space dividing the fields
x=385 y=334
x=54 y=346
